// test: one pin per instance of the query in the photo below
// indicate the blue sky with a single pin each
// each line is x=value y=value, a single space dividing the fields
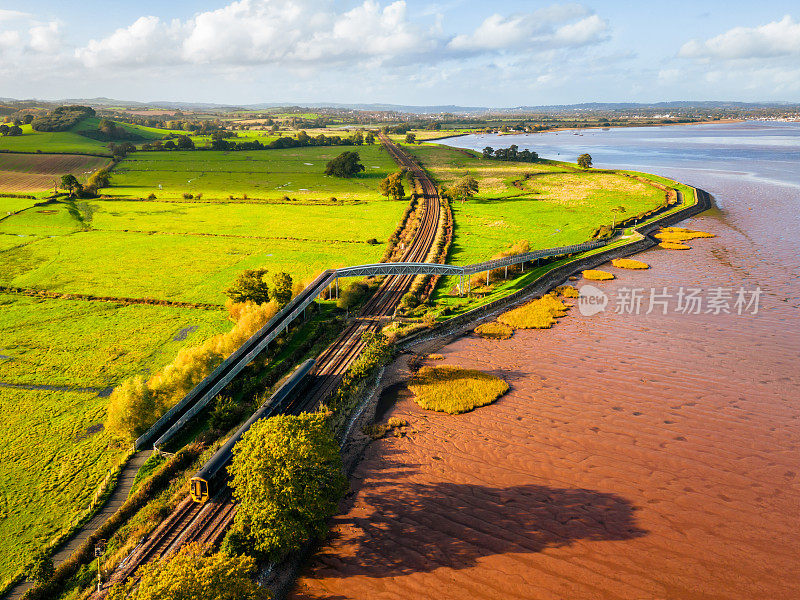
x=448 y=52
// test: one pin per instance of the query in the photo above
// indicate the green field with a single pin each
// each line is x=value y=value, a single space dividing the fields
x=168 y=249
x=50 y=467
x=295 y=172
x=53 y=141
x=546 y=204
x=82 y=344
x=54 y=456
x=165 y=267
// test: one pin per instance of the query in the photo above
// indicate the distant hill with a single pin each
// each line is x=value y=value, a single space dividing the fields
x=102 y=102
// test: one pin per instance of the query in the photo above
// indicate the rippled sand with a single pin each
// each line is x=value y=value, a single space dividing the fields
x=635 y=457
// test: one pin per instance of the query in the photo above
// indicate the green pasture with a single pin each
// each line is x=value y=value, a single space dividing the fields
x=294 y=172
x=546 y=204
x=8 y=241
x=166 y=267
x=53 y=458
x=84 y=344
x=12 y=205
x=52 y=141
x=53 y=219
x=339 y=222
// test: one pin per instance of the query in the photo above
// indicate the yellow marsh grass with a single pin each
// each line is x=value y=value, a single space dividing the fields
x=455 y=390
x=629 y=263
x=494 y=331
x=435 y=356
x=597 y=275
x=674 y=246
x=539 y=314
x=680 y=234
x=567 y=291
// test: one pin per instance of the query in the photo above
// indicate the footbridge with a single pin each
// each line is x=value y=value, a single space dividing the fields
x=205 y=391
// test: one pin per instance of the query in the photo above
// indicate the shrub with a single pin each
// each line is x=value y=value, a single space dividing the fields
x=494 y=331
x=135 y=404
x=187 y=196
x=372 y=241
x=539 y=314
x=597 y=275
x=151 y=196
x=629 y=263
x=250 y=286
x=352 y=295
x=455 y=390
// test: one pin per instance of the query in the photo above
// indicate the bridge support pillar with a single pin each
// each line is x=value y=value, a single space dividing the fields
x=337 y=288
x=506 y=276
x=487 y=277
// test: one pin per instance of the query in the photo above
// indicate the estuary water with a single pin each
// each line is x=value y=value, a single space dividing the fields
x=646 y=451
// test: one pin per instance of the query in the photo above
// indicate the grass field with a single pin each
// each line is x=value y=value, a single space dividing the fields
x=52 y=141
x=82 y=344
x=548 y=205
x=184 y=251
x=295 y=172
x=52 y=459
x=342 y=222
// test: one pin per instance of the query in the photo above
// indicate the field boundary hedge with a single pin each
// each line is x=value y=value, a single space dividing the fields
x=115 y=299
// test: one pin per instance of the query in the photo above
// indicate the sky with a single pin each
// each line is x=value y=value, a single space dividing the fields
x=468 y=53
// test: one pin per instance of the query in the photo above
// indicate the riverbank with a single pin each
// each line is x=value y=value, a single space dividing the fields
x=630 y=459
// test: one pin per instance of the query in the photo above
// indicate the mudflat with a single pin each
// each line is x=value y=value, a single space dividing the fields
x=649 y=456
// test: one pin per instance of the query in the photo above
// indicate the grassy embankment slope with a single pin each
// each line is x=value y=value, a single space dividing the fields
x=55 y=453
x=546 y=203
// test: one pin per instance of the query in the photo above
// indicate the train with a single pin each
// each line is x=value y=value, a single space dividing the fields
x=213 y=475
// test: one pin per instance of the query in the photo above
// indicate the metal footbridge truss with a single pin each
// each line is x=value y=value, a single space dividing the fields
x=205 y=391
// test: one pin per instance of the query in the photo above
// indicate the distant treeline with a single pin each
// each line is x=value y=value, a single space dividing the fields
x=62 y=118
x=219 y=142
x=510 y=153
x=402 y=128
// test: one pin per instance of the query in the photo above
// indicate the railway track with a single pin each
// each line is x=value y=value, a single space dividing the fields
x=207 y=523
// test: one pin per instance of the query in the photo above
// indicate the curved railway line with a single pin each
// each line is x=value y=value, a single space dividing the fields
x=206 y=523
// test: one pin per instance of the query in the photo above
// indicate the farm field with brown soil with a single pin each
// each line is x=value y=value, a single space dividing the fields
x=38 y=172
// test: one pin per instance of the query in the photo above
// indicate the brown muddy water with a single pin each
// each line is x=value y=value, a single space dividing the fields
x=636 y=456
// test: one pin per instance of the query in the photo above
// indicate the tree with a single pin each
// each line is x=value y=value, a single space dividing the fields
x=618 y=209
x=27 y=119
x=391 y=186
x=192 y=575
x=347 y=164
x=41 y=567
x=585 y=161
x=99 y=179
x=250 y=286
x=358 y=138
x=185 y=143
x=287 y=477
x=15 y=130
x=464 y=188
x=281 y=287
x=369 y=138
x=488 y=152
x=4 y=129
x=411 y=138
x=70 y=183
x=132 y=408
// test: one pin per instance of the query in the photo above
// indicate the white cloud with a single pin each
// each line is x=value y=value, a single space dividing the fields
x=45 y=38
x=146 y=41
x=253 y=32
x=775 y=39
x=558 y=26
x=24 y=40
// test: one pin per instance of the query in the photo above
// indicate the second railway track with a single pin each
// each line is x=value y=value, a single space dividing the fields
x=206 y=523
